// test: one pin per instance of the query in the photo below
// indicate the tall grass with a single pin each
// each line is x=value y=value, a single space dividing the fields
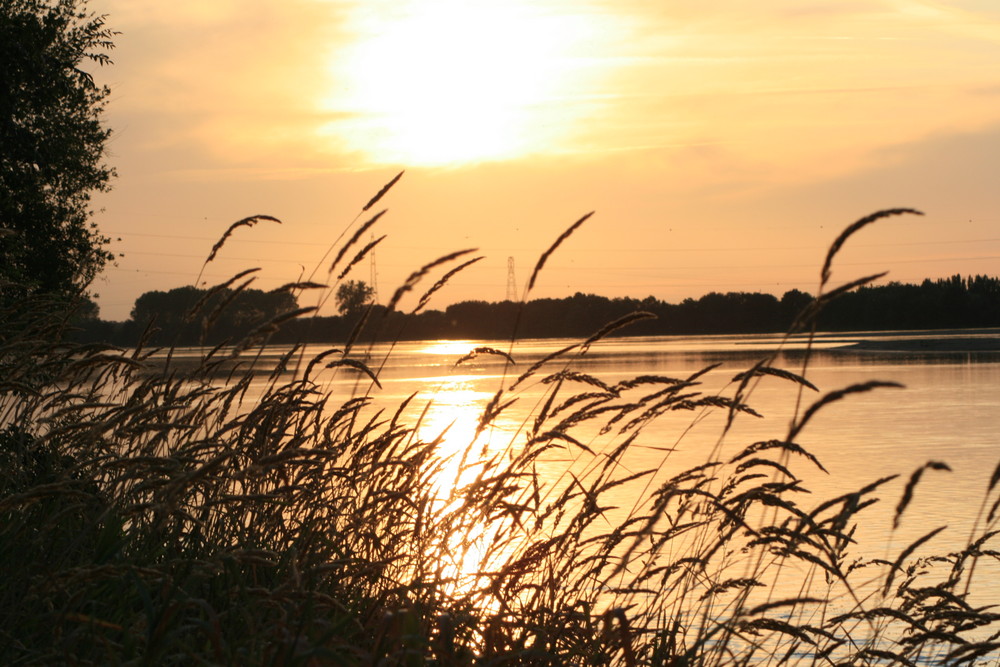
x=151 y=512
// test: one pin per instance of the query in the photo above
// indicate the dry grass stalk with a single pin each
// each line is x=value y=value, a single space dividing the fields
x=354 y=239
x=611 y=327
x=483 y=349
x=357 y=365
x=834 y=396
x=164 y=515
x=195 y=309
x=417 y=275
x=381 y=193
x=852 y=229
x=545 y=255
x=361 y=254
x=904 y=501
x=300 y=285
x=245 y=222
x=426 y=297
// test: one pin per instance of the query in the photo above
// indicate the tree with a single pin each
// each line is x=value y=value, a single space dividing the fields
x=352 y=296
x=52 y=147
x=225 y=314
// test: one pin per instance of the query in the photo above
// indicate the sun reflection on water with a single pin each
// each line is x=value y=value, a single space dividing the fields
x=456 y=348
x=465 y=452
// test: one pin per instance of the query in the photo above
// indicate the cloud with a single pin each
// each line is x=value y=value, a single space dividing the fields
x=790 y=90
x=950 y=176
x=230 y=81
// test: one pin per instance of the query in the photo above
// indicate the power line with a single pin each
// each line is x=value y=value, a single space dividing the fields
x=891 y=244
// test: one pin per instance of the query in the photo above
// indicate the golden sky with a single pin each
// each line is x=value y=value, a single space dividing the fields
x=723 y=145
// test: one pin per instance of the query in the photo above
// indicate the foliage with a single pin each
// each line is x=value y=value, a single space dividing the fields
x=953 y=302
x=191 y=316
x=949 y=303
x=153 y=511
x=53 y=142
x=353 y=296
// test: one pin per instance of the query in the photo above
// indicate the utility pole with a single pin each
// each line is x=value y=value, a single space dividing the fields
x=511 y=282
x=374 y=275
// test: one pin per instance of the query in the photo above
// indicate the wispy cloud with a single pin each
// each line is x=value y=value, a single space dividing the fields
x=262 y=81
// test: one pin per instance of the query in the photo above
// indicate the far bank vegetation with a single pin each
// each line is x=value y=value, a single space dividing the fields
x=232 y=313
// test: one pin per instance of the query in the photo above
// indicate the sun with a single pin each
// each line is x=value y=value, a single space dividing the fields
x=442 y=82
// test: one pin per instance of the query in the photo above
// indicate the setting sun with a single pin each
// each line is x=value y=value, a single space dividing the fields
x=448 y=83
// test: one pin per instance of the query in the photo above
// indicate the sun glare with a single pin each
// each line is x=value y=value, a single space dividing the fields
x=454 y=82
x=449 y=348
x=452 y=421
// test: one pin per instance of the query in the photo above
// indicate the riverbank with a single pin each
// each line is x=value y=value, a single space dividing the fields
x=957 y=342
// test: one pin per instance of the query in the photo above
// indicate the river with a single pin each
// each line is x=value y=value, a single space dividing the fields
x=948 y=409
x=945 y=411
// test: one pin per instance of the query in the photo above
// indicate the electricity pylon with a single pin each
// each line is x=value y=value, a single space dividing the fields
x=511 y=282
x=374 y=276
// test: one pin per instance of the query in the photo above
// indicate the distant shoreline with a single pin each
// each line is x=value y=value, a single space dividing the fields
x=936 y=344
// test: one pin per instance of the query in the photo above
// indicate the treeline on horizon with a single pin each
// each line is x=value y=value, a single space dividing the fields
x=163 y=318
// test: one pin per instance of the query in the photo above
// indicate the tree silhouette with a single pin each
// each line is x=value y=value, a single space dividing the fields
x=53 y=144
x=352 y=296
x=189 y=315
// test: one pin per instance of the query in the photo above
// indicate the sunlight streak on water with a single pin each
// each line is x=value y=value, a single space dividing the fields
x=948 y=411
x=450 y=418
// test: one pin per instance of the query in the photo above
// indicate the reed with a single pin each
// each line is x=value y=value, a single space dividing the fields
x=152 y=511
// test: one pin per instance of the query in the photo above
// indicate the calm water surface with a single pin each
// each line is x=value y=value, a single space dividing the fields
x=946 y=411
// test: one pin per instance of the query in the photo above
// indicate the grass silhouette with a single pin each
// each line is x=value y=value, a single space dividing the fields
x=150 y=512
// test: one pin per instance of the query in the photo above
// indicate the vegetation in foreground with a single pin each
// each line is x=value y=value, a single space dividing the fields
x=52 y=147
x=158 y=515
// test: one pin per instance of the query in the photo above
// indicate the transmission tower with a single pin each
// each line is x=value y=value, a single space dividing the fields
x=511 y=282
x=374 y=275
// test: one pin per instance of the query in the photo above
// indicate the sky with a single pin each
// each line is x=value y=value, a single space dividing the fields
x=722 y=145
